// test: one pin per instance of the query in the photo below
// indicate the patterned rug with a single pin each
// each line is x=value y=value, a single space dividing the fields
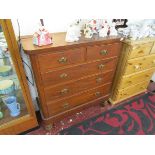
x=135 y=117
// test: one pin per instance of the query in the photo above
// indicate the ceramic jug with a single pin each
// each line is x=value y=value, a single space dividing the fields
x=13 y=106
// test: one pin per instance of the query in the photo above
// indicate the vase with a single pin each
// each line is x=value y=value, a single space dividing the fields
x=12 y=105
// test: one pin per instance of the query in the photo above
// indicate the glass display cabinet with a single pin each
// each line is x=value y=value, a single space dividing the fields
x=17 y=113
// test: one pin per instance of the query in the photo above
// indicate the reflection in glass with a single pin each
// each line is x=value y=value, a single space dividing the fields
x=12 y=105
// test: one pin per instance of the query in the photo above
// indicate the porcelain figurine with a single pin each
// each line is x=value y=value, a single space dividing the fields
x=42 y=37
x=103 y=32
x=145 y=31
x=73 y=32
x=94 y=26
x=88 y=31
x=113 y=31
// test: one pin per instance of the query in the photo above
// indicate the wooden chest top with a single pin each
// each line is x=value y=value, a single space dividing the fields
x=60 y=43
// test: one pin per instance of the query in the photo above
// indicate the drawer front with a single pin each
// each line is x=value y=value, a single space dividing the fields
x=140 y=50
x=103 y=51
x=73 y=87
x=131 y=91
x=140 y=64
x=60 y=58
x=69 y=103
x=128 y=81
x=153 y=49
x=72 y=73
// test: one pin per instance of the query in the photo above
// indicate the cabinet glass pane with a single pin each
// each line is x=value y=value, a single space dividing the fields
x=12 y=105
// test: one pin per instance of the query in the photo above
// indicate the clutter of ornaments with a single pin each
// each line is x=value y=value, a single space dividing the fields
x=101 y=27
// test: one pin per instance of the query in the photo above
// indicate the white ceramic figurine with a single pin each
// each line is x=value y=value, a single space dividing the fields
x=88 y=31
x=73 y=32
x=103 y=32
x=113 y=31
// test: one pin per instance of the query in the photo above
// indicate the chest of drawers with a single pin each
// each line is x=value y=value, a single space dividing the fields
x=72 y=76
x=137 y=64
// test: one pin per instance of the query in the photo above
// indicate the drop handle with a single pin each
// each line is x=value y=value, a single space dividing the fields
x=62 y=60
x=141 y=52
x=66 y=105
x=101 y=66
x=64 y=91
x=125 y=94
x=130 y=82
x=104 y=52
x=63 y=75
x=147 y=75
x=142 y=87
x=97 y=94
x=98 y=80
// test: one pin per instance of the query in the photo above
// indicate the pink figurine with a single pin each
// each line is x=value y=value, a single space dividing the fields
x=42 y=37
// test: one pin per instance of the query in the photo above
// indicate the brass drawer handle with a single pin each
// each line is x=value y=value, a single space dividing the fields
x=64 y=91
x=147 y=75
x=124 y=94
x=62 y=60
x=130 y=82
x=101 y=66
x=141 y=52
x=66 y=105
x=142 y=87
x=98 y=80
x=98 y=94
x=104 y=52
x=63 y=75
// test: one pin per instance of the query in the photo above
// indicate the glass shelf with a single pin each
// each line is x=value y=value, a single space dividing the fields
x=12 y=104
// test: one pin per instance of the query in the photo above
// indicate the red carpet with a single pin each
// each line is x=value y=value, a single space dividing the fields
x=136 y=116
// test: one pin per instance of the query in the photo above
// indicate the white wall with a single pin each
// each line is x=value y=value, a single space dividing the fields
x=29 y=26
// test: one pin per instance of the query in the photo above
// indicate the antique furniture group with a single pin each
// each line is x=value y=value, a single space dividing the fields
x=72 y=76
x=69 y=76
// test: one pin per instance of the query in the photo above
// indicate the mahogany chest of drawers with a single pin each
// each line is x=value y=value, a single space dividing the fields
x=136 y=66
x=72 y=76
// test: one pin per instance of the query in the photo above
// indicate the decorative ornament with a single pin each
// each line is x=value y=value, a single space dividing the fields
x=103 y=32
x=113 y=31
x=88 y=31
x=94 y=26
x=42 y=36
x=73 y=32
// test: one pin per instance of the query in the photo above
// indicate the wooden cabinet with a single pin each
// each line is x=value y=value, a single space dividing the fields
x=72 y=76
x=136 y=66
x=17 y=113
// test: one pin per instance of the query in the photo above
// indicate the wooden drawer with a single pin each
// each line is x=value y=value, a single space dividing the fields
x=78 y=71
x=128 y=81
x=140 y=50
x=153 y=49
x=73 y=87
x=103 y=51
x=140 y=64
x=61 y=58
x=131 y=91
x=79 y=99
